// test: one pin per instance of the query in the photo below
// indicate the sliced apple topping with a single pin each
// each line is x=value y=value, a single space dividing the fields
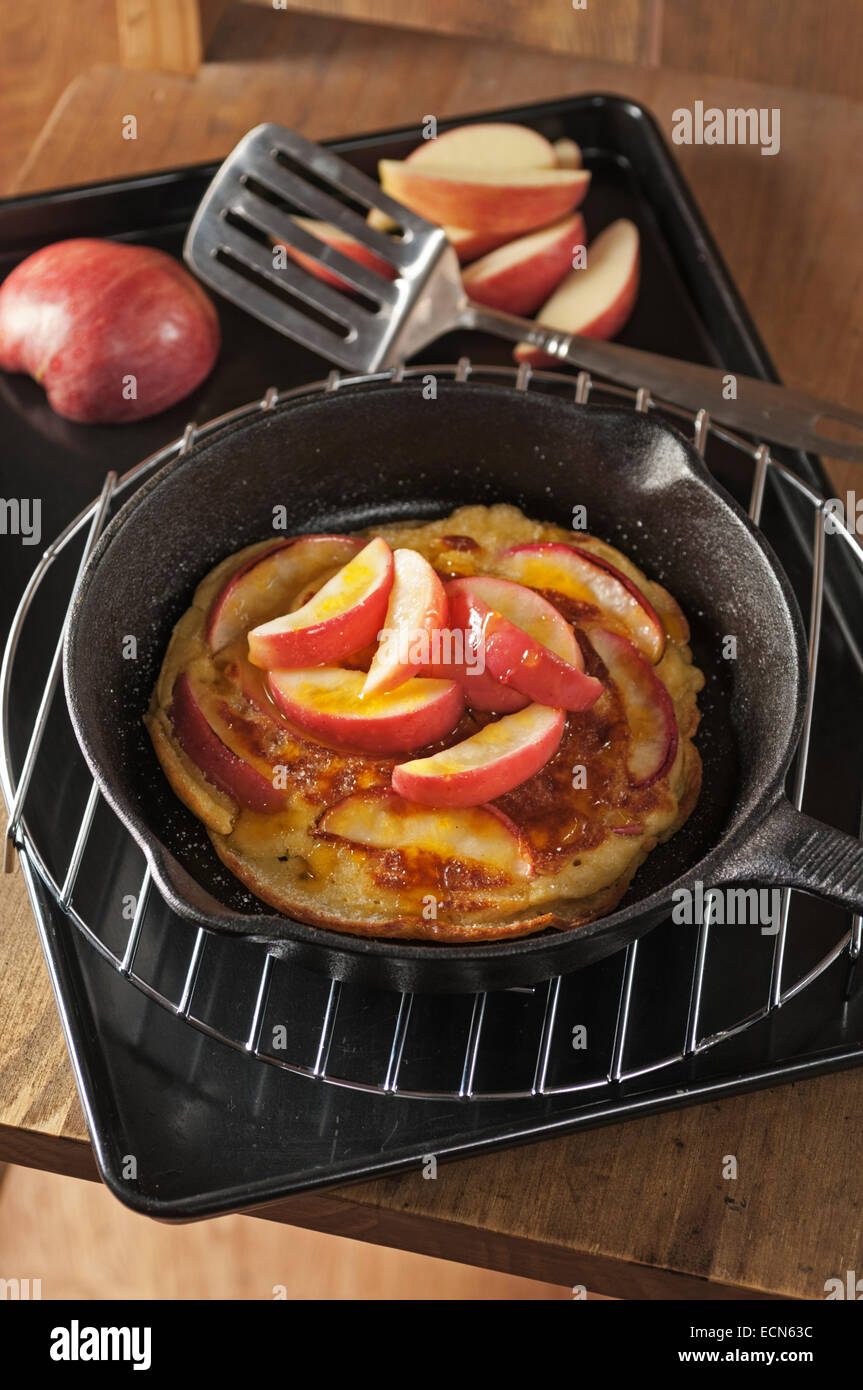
x=486 y=765
x=344 y=615
x=525 y=642
x=266 y=584
x=647 y=705
x=483 y=692
x=478 y=835
x=328 y=702
x=417 y=609
x=581 y=575
x=192 y=719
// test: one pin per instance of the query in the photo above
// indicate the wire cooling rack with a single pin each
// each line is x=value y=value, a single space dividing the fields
x=390 y=1043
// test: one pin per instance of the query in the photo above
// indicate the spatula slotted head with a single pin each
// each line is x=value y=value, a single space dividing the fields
x=249 y=212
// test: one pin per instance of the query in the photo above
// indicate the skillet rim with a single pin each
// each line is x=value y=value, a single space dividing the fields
x=407 y=953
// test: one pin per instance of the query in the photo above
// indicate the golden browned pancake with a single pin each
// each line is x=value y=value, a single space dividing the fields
x=335 y=847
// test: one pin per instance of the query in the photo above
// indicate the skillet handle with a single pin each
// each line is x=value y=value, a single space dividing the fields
x=791 y=849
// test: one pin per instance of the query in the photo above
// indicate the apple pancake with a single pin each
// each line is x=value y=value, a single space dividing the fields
x=317 y=831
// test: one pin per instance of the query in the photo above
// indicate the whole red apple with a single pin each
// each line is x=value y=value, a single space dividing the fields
x=113 y=332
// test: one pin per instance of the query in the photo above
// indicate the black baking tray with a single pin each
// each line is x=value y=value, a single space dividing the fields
x=213 y=1129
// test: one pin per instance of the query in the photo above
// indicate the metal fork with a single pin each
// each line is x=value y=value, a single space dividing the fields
x=274 y=174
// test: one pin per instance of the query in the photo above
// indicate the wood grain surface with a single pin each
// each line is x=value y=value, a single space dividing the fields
x=81 y=1244
x=612 y=29
x=639 y=1209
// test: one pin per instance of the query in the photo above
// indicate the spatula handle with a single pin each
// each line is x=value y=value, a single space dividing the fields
x=770 y=413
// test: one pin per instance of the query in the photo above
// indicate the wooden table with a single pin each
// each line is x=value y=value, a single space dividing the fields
x=641 y=1209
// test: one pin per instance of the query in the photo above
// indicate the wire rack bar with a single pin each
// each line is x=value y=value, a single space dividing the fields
x=15 y=790
x=326 y=1037
x=549 y=1019
x=618 y=1047
x=815 y=615
x=16 y=808
x=471 y=1053
x=79 y=847
x=137 y=922
x=253 y=1042
x=397 y=1048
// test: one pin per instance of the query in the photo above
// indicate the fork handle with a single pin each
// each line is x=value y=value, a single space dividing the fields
x=769 y=412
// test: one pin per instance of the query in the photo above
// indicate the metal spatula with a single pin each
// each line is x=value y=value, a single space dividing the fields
x=275 y=175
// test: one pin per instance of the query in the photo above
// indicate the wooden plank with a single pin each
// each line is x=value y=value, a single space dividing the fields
x=614 y=29
x=42 y=48
x=642 y=1205
x=813 y=45
x=42 y=1217
x=165 y=35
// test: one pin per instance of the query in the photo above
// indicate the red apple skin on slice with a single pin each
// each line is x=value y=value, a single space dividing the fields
x=581 y=575
x=486 y=765
x=417 y=608
x=486 y=145
x=481 y=691
x=526 y=643
x=596 y=300
x=216 y=761
x=379 y=819
x=486 y=200
x=340 y=241
x=327 y=702
x=521 y=275
x=266 y=584
x=647 y=705
x=467 y=243
x=344 y=615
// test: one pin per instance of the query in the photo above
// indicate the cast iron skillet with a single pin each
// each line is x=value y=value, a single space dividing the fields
x=369 y=454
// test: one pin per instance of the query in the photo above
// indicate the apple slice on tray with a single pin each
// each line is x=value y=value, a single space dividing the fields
x=520 y=275
x=485 y=199
x=328 y=702
x=344 y=615
x=486 y=765
x=379 y=819
x=266 y=584
x=466 y=243
x=417 y=608
x=340 y=241
x=581 y=575
x=567 y=153
x=469 y=245
x=500 y=145
x=525 y=642
x=194 y=718
x=596 y=300
x=647 y=705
